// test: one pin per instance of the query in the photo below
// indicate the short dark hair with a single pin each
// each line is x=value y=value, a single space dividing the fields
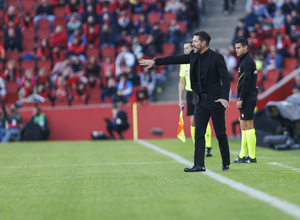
x=242 y=41
x=188 y=42
x=203 y=36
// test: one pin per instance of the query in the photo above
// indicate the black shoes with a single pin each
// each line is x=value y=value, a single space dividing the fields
x=225 y=167
x=249 y=160
x=195 y=168
x=244 y=160
x=208 y=152
x=240 y=160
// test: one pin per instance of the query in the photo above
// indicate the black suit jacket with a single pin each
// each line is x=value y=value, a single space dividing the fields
x=217 y=80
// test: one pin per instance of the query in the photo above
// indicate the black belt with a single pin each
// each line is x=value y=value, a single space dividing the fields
x=203 y=95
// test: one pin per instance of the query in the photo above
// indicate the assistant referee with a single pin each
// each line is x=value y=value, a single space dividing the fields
x=246 y=103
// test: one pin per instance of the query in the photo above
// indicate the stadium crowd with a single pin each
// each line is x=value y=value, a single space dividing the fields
x=272 y=28
x=70 y=50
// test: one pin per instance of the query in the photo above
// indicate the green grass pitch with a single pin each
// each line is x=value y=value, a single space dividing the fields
x=111 y=180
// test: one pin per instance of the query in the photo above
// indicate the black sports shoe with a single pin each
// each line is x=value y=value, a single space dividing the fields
x=225 y=167
x=249 y=160
x=208 y=152
x=240 y=160
x=195 y=168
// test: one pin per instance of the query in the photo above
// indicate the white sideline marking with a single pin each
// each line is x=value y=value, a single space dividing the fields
x=285 y=206
x=285 y=166
x=80 y=165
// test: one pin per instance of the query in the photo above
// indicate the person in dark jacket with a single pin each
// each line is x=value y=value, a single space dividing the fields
x=247 y=97
x=210 y=84
x=120 y=121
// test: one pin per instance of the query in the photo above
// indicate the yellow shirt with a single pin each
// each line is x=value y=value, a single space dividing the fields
x=185 y=73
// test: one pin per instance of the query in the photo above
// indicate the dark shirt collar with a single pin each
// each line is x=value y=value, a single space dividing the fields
x=243 y=57
x=205 y=53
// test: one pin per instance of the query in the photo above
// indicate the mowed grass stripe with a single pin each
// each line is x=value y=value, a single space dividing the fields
x=285 y=206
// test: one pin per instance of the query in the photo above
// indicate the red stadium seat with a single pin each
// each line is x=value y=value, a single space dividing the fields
x=59 y=12
x=59 y=21
x=92 y=52
x=29 y=64
x=154 y=17
x=44 y=64
x=43 y=23
x=28 y=34
x=12 y=55
x=108 y=51
x=143 y=38
x=135 y=18
x=273 y=75
x=290 y=63
x=28 y=44
x=182 y=27
x=43 y=33
x=168 y=49
x=169 y=16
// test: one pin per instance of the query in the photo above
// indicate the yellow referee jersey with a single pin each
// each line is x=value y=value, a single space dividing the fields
x=185 y=73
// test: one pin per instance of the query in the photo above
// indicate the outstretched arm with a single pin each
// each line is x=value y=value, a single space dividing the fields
x=148 y=63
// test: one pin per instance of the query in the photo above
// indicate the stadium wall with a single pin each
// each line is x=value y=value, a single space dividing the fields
x=77 y=122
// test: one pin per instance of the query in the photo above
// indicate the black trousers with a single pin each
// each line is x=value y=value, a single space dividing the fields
x=203 y=111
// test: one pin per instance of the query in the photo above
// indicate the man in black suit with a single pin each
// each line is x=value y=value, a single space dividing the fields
x=210 y=84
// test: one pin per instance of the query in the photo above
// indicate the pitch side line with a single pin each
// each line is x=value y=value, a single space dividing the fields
x=81 y=165
x=285 y=206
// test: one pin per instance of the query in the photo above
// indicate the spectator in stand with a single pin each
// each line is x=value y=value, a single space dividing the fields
x=158 y=37
x=241 y=26
x=278 y=20
x=44 y=11
x=11 y=16
x=283 y=44
x=273 y=61
x=231 y=63
x=77 y=66
x=129 y=57
x=109 y=90
x=44 y=50
x=254 y=42
x=58 y=54
x=61 y=66
x=77 y=49
x=81 y=92
x=287 y=7
x=2 y=52
x=40 y=119
x=296 y=85
x=142 y=26
x=3 y=90
x=108 y=67
x=73 y=7
x=107 y=37
x=295 y=36
x=13 y=123
x=27 y=87
x=258 y=8
x=119 y=123
x=270 y=9
x=124 y=24
x=148 y=80
x=11 y=72
x=174 y=34
x=106 y=17
x=260 y=32
x=250 y=19
x=124 y=88
x=59 y=37
x=138 y=7
x=136 y=46
x=91 y=22
x=92 y=71
x=92 y=38
x=173 y=6
x=73 y=24
x=132 y=75
x=150 y=47
x=264 y=51
x=182 y=14
x=43 y=84
x=120 y=67
x=12 y=40
x=228 y=6
x=27 y=22
x=89 y=12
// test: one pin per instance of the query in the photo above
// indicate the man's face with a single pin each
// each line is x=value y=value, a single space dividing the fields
x=187 y=48
x=197 y=44
x=240 y=50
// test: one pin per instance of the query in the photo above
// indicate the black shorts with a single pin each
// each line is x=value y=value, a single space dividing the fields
x=190 y=106
x=247 y=110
